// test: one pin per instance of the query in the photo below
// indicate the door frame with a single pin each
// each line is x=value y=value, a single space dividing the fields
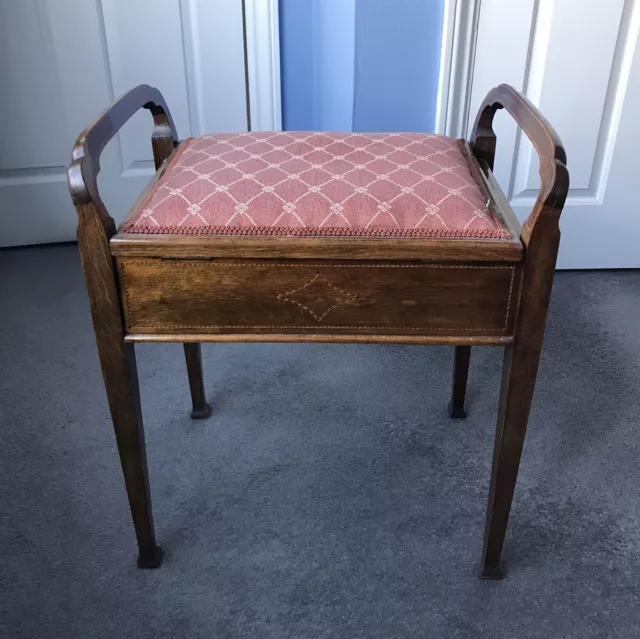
x=455 y=80
x=262 y=60
x=457 y=59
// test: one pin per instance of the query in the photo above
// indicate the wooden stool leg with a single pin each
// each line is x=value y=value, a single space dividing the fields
x=201 y=409
x=540 y=236
x=518 y=382
x=124 y=400
x=117 y=358
x=118 y=363
x=461 y=358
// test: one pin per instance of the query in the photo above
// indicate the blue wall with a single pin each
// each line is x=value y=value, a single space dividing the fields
x=333 y=44
x=363 y=65
x=296 y=64
x=397 y=64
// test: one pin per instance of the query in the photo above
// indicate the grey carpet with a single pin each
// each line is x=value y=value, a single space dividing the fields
x=329 y=495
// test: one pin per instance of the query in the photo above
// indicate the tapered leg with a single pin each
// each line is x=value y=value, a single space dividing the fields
x=201 y=409
x=124 y=400
x=518 y=382
x=461 y=358
x=519 y=373
x=118 y=363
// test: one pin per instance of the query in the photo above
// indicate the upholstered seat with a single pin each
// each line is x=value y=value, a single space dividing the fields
x=320 y=184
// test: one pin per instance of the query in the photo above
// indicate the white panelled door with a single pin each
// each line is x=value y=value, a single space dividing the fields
x=579 y=62
x=63 y=61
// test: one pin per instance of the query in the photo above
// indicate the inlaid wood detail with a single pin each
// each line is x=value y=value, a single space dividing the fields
x=318 y=297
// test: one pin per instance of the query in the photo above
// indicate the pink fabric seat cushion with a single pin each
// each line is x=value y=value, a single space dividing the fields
x=307 y=184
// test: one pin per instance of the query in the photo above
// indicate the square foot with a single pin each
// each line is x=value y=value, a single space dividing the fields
x=201 y=413
x=457 y=412
x=492 y=572
x=150 y=560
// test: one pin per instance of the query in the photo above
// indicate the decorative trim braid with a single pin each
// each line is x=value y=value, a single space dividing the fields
x=324 y=231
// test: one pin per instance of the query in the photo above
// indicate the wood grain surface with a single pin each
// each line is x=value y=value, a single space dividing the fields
x=192 y=296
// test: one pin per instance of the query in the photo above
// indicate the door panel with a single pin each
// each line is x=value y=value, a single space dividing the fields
x=577 y=60
x=64 y=61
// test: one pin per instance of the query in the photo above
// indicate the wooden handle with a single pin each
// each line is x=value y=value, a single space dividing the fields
x=554 y=176
x=85 y=157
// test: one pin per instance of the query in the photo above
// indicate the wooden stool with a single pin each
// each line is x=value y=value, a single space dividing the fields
x=314 y=237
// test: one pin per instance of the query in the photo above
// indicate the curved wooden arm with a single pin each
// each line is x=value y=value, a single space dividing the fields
x=554 y=176
x=85 y=157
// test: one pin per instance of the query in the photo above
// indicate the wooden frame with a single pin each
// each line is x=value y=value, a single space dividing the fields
x=330 y=289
